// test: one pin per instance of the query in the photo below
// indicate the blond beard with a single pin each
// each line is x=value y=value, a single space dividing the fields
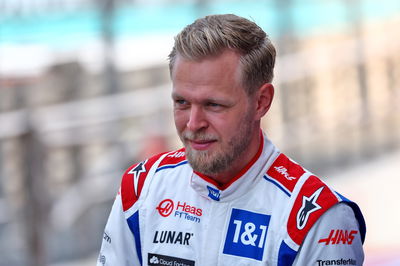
x=214 y=162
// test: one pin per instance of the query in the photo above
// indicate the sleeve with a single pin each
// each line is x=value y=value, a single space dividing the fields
x=333 y=240
x=118 y=244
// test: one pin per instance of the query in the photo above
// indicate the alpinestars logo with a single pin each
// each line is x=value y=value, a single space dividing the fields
x=136 y=172
x=309 y=206
x=140 y=168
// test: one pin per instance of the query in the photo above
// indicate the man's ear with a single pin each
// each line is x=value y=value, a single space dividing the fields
x=264 y=99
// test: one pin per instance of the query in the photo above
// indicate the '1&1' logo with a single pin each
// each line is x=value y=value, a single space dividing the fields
x=247 y=232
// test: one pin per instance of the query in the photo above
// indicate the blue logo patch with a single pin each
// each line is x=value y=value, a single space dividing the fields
x=246 y=234
x=213 y=193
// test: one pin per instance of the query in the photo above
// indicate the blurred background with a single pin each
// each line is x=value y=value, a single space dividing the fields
x=85 y=92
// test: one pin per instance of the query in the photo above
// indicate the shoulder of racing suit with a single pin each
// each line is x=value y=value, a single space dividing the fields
x=309 y=199
x=134 y=177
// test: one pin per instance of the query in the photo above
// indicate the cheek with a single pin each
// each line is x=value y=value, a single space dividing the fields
x=224 y=125
x=230 y=126
x=180 y=120
x=230 y=121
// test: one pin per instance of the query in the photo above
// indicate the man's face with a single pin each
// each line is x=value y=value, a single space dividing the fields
x=214 y=116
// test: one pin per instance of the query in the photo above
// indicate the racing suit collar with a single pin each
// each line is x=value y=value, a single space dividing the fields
x=242 y=182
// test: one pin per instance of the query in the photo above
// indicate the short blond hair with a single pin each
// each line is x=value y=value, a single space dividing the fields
x=211 y=35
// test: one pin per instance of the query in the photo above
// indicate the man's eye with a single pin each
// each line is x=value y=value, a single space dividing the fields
x=213 y=104
x=180 y=103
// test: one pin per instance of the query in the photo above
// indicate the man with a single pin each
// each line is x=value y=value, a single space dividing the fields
x=229 y=197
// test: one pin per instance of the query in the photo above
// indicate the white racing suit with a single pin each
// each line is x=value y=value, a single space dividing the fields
x=274 y=212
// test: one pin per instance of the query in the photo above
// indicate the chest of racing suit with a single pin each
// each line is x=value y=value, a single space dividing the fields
x=274 y=212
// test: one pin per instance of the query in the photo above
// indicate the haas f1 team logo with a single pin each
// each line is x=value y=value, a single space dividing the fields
x=180 y=210
x=165 y=207
x=339 y=236
x=309 y=206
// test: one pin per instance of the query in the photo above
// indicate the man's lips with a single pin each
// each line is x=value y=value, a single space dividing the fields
x=200 y=144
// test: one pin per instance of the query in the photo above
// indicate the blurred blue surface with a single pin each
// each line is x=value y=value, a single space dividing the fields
x=69 y=28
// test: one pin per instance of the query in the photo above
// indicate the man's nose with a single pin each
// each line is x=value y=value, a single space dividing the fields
x=197 y=119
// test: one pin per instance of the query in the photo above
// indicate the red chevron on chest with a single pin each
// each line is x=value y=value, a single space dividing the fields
x=285 y=171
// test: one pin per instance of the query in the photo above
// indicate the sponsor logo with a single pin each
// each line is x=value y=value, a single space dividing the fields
x=157 y=259
x=337 y=262
x=172 y=237
x=182 y=210
x=107 y=238
x=138 y=170
x=213 y=193
x=177 y=154
x=154 y=260
x=165 y=207
x=102 y=259
x=309 y=206
x=186 y=216
x=188 y=209
x=313 y=199
x=247 y=232
x=339 y=237
x=283 y=171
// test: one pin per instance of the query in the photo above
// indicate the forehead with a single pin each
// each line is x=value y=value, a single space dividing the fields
x=219 y=74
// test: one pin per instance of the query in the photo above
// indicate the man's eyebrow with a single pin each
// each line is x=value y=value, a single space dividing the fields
x=218 y=101
x=211 y=99
x=175 y=95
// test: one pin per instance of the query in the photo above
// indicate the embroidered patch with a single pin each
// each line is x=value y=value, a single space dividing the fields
x=247 y=232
